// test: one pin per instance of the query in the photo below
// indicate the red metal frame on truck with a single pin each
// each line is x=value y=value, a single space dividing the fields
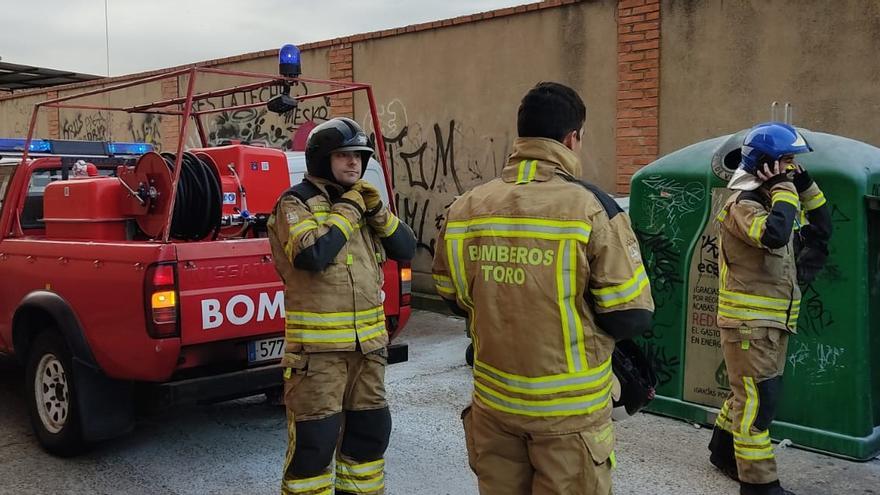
x=161 y=108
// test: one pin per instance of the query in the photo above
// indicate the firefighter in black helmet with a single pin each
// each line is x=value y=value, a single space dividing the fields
x=329 y=237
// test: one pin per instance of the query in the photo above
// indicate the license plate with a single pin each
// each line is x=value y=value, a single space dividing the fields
x=265 y=350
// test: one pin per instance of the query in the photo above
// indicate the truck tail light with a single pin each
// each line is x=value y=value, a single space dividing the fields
x=160 y=292
x=405 y=283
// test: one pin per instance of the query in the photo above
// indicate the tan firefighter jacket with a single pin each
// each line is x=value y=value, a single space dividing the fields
x=535 y=257
x=758 y=284
x=337 y=307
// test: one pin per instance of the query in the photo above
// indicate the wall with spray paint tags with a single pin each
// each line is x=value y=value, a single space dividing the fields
x=92 y=125
x=447 y=101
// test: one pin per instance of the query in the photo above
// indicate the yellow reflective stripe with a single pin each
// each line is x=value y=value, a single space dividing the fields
x=758 y=301
x=371 y=332
x=444 y=284
x=321 y=217
x=756 y=314
x=342 y=223
x=536 y=228
x=302 y=227
x=751 y=454
x=544 y=385
x=319 y=336
x=750 y=411
x=785 y=197
x=722 y=215
x=309 y=484
x=354 y=485
x=337 y=316
x=722 y=420
x=390 y=226
x=815 y=202
x=579 y=343
x=455 y=253
x=564 y=406
x=526 y=171
x=757 y=229
x=616 y=295
x=760 y=439
x=572 y=328
x=362 y=469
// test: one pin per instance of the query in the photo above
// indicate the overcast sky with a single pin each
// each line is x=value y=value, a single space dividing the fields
x=151 y=34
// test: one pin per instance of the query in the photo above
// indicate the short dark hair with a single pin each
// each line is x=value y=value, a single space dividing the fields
x=550 y=110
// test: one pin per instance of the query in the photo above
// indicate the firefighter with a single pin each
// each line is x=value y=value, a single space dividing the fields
x=329 y=236
x=550 y=274
x=774 y=236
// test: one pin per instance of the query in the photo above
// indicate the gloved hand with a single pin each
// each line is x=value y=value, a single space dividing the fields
x=355 y=199
x=372 y=198
x=802 y=180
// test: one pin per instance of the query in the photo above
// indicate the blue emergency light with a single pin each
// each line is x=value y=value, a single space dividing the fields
x=92 y=148
x=289 y=61
x=17 y=145
x=129 y=148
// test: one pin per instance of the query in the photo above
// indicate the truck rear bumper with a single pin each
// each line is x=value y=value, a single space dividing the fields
x=215 y=388
x=234 y=384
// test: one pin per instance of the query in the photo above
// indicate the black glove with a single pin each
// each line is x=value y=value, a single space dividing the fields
x=810 y=262
x=802 y=180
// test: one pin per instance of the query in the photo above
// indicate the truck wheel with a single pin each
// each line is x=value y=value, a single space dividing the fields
x=469 y=355
x=51 y=396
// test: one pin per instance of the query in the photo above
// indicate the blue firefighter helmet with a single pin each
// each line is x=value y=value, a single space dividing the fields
x=769 y=142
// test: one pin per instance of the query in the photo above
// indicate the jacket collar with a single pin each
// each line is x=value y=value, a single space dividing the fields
x=552 y=156
x=329 y=189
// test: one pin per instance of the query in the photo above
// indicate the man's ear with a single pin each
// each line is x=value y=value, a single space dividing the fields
x=568 y=140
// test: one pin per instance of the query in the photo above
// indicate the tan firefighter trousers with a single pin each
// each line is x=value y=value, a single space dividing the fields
x=336 y=405
x=755 y=360
x=510 y=461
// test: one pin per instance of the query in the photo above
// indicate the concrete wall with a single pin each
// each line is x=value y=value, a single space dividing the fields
x=723 y=62
x=447 y=99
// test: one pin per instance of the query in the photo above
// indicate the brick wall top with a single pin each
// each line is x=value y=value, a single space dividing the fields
x=386 y=33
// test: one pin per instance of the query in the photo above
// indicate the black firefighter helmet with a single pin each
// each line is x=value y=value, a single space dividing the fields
x=637 y=379
x=337 y=134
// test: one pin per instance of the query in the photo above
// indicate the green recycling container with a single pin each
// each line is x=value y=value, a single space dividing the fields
x=831 y=398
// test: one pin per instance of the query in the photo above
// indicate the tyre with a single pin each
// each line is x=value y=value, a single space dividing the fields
x=469 y=355
x=51 y=394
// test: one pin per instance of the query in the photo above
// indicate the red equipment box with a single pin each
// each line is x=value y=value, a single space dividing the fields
x=261 y=172
x=84 y=209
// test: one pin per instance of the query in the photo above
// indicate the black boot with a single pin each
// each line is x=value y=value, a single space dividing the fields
x=773 y=488
x=722 y=456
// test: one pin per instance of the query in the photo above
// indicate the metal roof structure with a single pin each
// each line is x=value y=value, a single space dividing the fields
x=16 y=77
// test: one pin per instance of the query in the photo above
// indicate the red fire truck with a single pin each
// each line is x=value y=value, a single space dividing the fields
x=128 y=272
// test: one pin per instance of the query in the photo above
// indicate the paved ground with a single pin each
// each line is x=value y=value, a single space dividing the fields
x=237 y=447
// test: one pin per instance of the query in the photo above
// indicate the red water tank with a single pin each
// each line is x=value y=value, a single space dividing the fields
x=251 y=177
x=85 y=208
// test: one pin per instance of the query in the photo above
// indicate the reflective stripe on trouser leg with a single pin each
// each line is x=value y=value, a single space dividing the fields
x=307 y=465
x=359 y=465
x=748 y=409
x=360 y=477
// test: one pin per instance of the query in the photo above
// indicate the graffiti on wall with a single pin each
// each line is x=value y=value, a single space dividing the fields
x=88 y=127
x=432 y=164
x=146 y=129
x=258 y=125
x=99 y=126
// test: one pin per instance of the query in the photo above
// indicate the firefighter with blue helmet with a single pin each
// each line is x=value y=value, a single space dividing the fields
x=775 y=229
